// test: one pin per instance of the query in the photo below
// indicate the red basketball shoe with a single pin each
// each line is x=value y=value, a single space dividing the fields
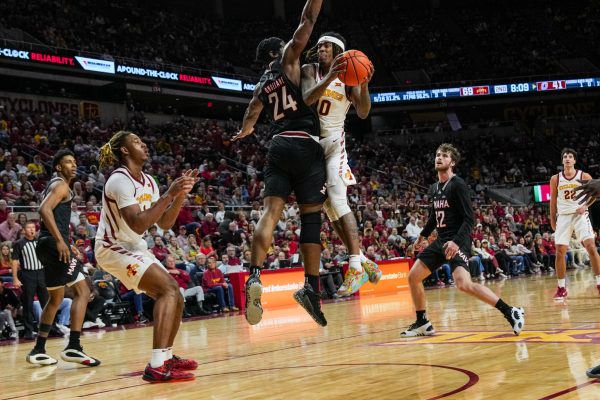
x=165 y=373
x=182 y=364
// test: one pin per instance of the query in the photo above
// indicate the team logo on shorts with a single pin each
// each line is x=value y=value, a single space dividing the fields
x=132 y=270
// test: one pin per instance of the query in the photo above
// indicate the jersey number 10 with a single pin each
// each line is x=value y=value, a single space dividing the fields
x=288 y=103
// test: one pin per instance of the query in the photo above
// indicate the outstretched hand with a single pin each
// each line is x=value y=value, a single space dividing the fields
x=588 y=189
x=242 y=134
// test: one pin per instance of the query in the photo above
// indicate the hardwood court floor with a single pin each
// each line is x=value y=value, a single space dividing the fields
x=358 y=355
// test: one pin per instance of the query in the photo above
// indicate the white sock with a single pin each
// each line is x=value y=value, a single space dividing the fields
x=354 y=263
x=169 y=353
x=561 y=283
x=362 y=257
x=597 y=279
x=159 y=356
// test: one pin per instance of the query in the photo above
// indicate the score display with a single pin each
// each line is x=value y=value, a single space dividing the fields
x=485 y=90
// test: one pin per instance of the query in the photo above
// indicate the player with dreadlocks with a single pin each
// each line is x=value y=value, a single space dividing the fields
x=321 y=86
x=295 y=162
x=132 y=204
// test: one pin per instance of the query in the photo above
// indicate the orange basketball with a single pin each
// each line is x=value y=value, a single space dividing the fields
x=358 y=68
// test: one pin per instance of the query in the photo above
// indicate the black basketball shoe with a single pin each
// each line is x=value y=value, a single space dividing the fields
x=253 y=310
x=516 y=319
x=311 y=302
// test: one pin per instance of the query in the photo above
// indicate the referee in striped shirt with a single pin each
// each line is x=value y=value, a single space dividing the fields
x=28 y=274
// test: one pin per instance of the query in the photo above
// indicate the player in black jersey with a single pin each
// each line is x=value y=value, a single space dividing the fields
x=295 y=162
x=589 y=189
x=61 y=267
x=452 y=217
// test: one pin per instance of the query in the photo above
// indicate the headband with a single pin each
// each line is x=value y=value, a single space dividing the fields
x=333 y=40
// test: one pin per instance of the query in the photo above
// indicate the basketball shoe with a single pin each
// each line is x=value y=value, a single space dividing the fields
x=182 y=364
x=516 y=319
x=78 y=356
x=311 y=302
x=598 y=287
x=40 y=358
x=353 y=281
x=253 y=310
x=561 y=294
x=373 y=270
x=593 y=372
x=419 y=328
x=166 y=373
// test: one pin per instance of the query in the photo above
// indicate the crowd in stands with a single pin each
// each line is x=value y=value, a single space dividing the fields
x=462 y=40
x=213 y=232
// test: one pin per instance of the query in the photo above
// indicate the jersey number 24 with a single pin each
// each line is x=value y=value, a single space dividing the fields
x=287 y=103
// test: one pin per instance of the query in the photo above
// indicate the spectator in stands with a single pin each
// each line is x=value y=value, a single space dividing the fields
x=74 y=221
x=91 y=214
x=209 y=226
x=36 y=167
x=206 y=248
x=412 y=229
x=10 y=229
x=94 y=308
x=183 y=280
x=159 y=249
x=4 y=210
x=28 y=273
x=213 y=281
x=9 y=304
x=200 y=262
x=5 y=264
x=90 y=229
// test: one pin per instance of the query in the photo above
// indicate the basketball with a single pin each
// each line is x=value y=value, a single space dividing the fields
x=358 y=68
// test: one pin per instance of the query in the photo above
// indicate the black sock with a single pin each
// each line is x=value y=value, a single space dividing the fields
x=503 y=307
x=40 y=342
x=254 y=270
x=313 y=281
x=74 y=340
x=422 y=316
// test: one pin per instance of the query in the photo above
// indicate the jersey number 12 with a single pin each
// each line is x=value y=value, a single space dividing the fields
x=288 y=103
x=439 y=217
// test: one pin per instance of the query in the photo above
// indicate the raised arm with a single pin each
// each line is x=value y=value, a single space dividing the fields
x=360 y=96
x=311 y=90
x=250 y=116
x=294 y=48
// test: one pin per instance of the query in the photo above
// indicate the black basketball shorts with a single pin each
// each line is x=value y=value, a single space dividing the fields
x=296 y=164
x=434 y=257
x=57 y=272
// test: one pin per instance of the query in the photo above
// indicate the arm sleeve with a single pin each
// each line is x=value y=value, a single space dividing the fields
x=16 y=252
x=120 y=189
x=431 y=222
x=462 y=202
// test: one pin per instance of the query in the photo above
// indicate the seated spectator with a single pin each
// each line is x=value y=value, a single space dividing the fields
x=280 y=262
x=213 y=281
x=63 y=315
x=9 y=304
x=448 y=281
x=206 y=247
x=4 y=210
x=159 y=249
x=5 y=264
x=90 y=230
x=10 y=229
x=183 y=279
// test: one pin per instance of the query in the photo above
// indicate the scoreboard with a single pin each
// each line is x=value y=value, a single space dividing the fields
x=485 y=90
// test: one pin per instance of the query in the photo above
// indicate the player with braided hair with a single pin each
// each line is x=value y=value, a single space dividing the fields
x=132 y=204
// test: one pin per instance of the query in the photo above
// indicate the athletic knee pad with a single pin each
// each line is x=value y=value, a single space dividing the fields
x=310 y=228
x=330 y=211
